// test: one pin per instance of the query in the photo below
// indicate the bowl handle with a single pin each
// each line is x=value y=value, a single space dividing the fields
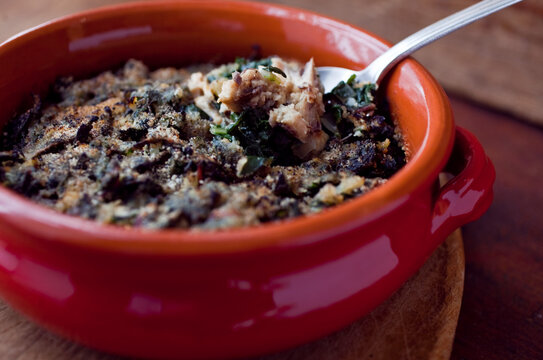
x=469 y=193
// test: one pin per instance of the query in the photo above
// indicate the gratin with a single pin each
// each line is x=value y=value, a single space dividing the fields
x=200 y=147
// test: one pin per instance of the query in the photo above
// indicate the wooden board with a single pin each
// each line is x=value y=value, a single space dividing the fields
x=417 y=322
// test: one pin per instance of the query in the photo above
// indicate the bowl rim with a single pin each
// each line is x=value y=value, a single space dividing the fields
x=422 y=169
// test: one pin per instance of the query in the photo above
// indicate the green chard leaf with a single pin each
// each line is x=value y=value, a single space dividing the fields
x=365 y=94
x=343 y=91
x=255 y=134
x=221 y=132
x=276 y=70
x=254 y=163
x=226 y=132
x=362 y=95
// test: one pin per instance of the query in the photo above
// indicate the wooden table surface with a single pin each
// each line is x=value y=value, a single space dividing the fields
x=502 y=311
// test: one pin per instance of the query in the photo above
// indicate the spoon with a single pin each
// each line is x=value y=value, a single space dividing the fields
x=330 y=76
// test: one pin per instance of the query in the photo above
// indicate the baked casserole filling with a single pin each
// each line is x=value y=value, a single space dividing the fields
x=202 y=147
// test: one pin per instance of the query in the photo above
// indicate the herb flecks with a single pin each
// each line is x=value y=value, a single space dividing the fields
x=239 y=65
x=243 y=64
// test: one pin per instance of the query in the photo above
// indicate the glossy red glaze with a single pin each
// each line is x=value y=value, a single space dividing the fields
x=239 y=292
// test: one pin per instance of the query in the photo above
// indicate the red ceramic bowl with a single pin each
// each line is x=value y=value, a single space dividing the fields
x=239 y=292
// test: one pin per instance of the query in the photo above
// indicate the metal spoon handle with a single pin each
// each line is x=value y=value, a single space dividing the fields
x=429 y=34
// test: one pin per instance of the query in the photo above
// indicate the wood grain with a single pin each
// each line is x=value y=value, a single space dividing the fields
x=417 y=322
x=502 y=311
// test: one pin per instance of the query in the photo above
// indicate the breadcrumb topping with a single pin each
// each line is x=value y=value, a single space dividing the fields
x=202 y=147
